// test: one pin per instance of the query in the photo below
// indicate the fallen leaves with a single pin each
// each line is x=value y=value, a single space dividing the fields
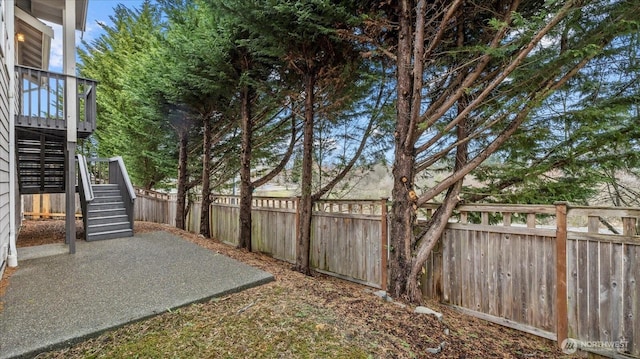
x=302 y=316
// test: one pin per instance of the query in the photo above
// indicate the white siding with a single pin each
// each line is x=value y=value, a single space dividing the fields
x=6 y=40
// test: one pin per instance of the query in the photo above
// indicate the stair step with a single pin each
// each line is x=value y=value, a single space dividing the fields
x=26 y=155
x=36 y=183
x=105 y=187
x=37 y=173
x=34 y=174
x=110 y=234
x=106 y=199
x=37 y=190
x=100 y=198
x=107 y=192
x=36 y=146
x=108 y=219
x=94 y=213
x=36 y=162
x=46 y=185
x=105 y=227
x=28 y=181
x=106 y=205
x=37 y=155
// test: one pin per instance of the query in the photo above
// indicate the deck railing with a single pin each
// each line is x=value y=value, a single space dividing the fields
x=42 y=101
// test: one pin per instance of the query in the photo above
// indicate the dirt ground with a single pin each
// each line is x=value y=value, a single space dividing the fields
x=396 y=330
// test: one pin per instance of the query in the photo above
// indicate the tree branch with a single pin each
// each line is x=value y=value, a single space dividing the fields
x=547 y=88
x=283 y=162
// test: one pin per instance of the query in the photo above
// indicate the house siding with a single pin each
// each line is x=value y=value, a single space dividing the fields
x=6 y=40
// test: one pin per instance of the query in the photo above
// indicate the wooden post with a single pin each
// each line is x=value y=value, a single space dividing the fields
x=384 y=243
x=46 y=206
x=562 y=318
x=506 y=219
x=297 y=207
x=464 y=217
x=71 y=118
x=484 y=218
x=35 y=205
x=211 y=222
x=593 y=224
x=629 y=226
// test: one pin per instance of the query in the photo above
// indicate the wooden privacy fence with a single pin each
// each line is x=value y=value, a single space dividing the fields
x=157 y=207
x=47 y=206
x=150 y=206
x=347 y=236
x=554 y=271
x=543 y=276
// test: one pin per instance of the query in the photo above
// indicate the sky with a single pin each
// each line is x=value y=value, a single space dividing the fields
x=99 y=12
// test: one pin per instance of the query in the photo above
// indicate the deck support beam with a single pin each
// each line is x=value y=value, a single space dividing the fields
x=71 y=116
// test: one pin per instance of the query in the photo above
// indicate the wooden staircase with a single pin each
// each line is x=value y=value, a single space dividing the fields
x=41 y=167
x=107 y=214
x=107 y=209
x=41 y=127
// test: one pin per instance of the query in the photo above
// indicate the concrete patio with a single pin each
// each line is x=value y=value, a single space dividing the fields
x=59 y=299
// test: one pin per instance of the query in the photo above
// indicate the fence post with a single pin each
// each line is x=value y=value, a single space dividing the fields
x=46 y=205
x=36 y=201
x=384 y=242
x=295 y=242
x=561 y=273
x=211 y=220
x=593 y=224
x=629 y=226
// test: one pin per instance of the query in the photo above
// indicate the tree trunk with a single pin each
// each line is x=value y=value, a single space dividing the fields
x=246 y=187
x=435 y=228
x=402 y=208
x=306 y=201
x=440 y=218
x=205 y=230
x=183 y=137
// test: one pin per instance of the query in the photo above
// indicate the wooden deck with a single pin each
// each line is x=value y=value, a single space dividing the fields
x=41 y=102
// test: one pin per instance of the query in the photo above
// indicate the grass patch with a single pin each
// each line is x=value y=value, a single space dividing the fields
x=264 y=323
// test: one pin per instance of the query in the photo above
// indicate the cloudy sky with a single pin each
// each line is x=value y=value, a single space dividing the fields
x=99 y=11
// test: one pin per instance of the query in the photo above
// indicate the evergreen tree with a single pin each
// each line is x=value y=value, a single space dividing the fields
x=468 y=77
x=123 y=123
